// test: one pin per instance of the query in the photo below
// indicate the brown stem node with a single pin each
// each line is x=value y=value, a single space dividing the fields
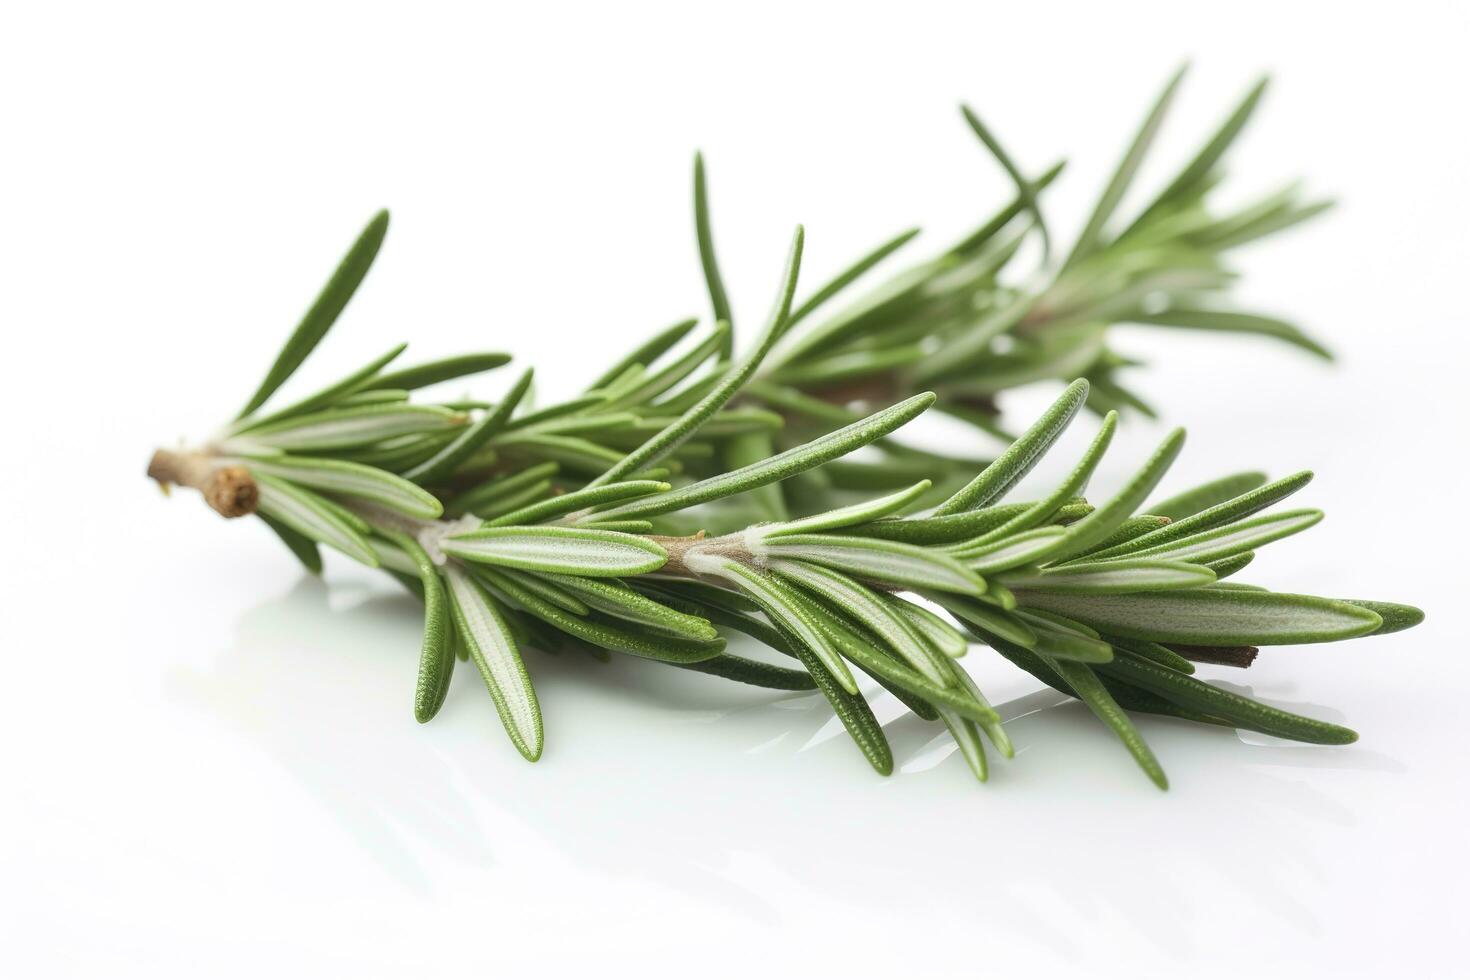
x=229 y=489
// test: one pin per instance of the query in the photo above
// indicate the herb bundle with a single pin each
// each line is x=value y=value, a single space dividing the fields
x=687 y=496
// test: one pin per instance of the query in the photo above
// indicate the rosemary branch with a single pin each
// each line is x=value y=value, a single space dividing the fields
x=683 y=497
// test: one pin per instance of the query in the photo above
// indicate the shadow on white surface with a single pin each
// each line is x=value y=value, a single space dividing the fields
x=751 y=802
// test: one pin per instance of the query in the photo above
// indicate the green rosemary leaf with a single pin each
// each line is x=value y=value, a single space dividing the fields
x=992 y=726
x=380 y=396
x=1233 y=508
x=966 y=527
x=1000 y=476
x=719 y=303
x=313 y=517
x=652 y=386
x=850 y=707
x=646 y=353
x=576 y=551
x=551 y=413
x=499 y=487
x=860 y=513
x=302 y=547
x=873 y=559
x=333 y=394
x=1207 y=495
x=894 y=672
x=990 y=620
x=447 y=369
x=1013 y=552
x=1124 y=535
x=782 y=466
x=1232 y=322
x=439 y=466
x=795 y=402
x=1215 y=616
x=482 y=628
x=849 y=275
x=618 y=600
x=863 y=605
x=493 y=508
x=656 y=646
x=967 y=736
x=1092 y=692
x=353 y=480
x=1395 y=616
x=575 y=455
x=436 y=659
x=746 y=671
x=1231 y=540
x=1089 y=241
x=687 y=424
x=935 y=631
x=791 y=615
x=1054 y=644
x=1071 y=487
x=1242 y=712
x=1155 y=652
x=1024 y=190
x=579 y=500
x=1097 y=526
x=1198 y=171
x=627 y=527
x=1229 y=566
x=329 y=304
x=549 y=591
x=1112 y=577
x=345 y=427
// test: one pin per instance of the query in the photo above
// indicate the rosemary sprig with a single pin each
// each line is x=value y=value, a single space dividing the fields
x=1104 y=602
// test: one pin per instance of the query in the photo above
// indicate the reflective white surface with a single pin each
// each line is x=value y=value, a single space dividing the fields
x=210 y=761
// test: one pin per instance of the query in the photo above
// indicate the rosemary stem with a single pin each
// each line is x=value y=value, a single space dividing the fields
x=227 y=488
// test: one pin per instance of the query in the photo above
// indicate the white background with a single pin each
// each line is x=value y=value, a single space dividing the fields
x=210 y=765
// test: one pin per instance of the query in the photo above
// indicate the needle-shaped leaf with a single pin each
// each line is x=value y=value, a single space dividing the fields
x=482 y=628
x=618 y=600
x=1232 y=508
x=939 y=634
x=1072 y=486
x=1112 y=577
x=579 y=500
x=1217 y=617
x=849 y=275
x=1197 y=172
x=1090 y=239
x=499 y=487
x=1096 y=527
x=313 y=517
x=663 y=647
x=1396 y=616
x=666 y=441
x=747 y=671
x=447 y=369
x=571 y=550
x=1225 y=542
x=1207 y=495
x=781 y=466
x=791 y=614
x=353 y=480
x=345 y=427
x=1092 y=692
x=996 y=479
x=875 y=560
x=1227 y=321
x=862 y=604
x=646 y=353
x=324 y=312
x=718 y=302
x=1024 y=190
x=1189 y=692
x=436 y=659
x=654 y=385
x=859 y=513
x=440 y=465
x=336 y=393
x=993 y=621
x=1012 y=552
